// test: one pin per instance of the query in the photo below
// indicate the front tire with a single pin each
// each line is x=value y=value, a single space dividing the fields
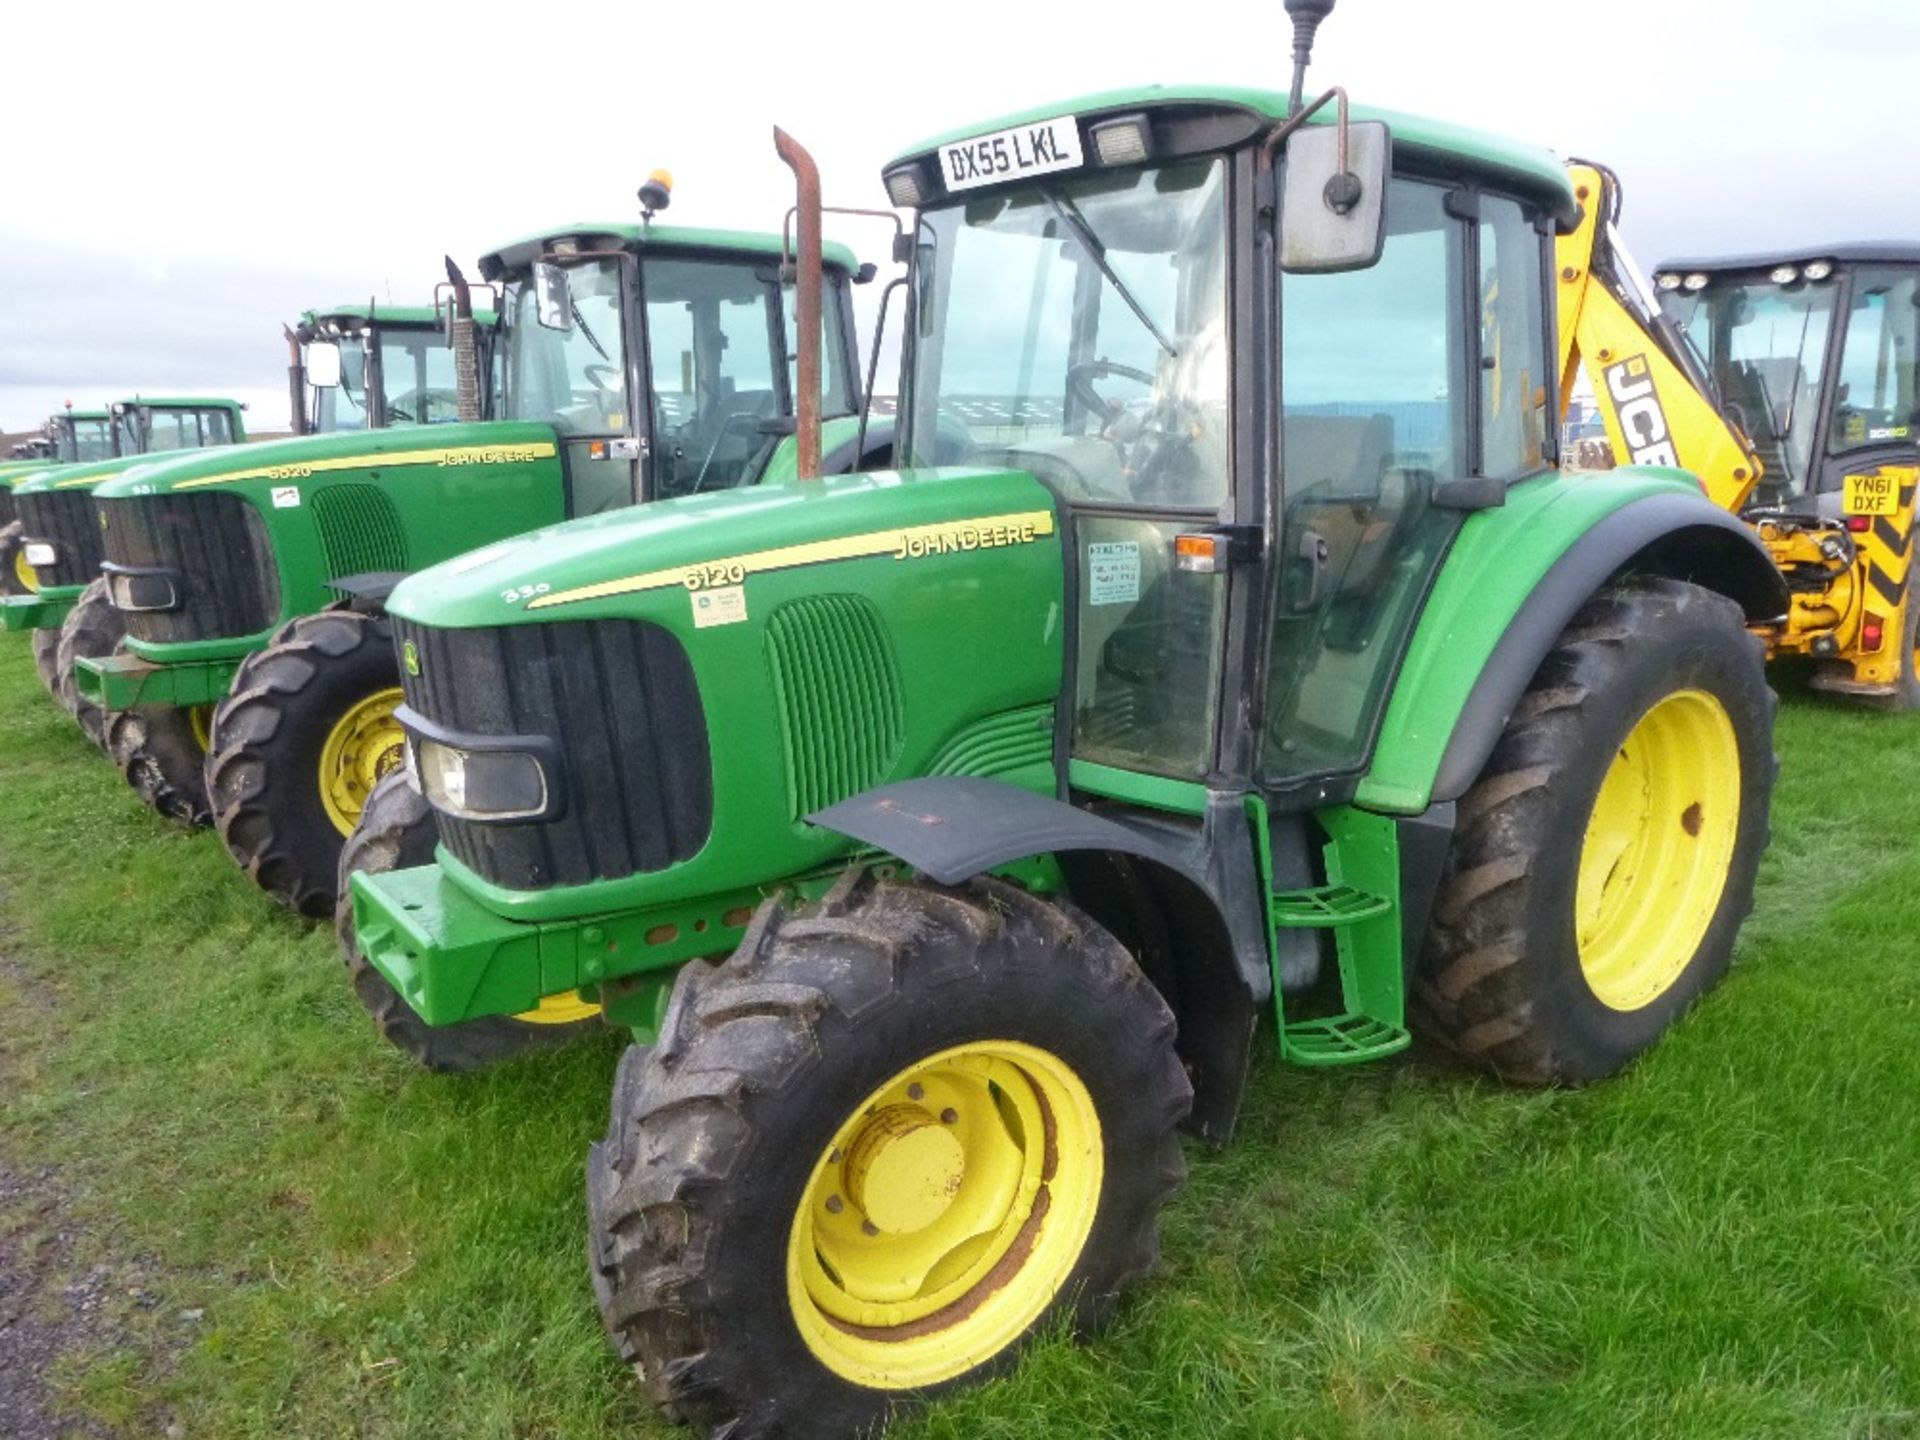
x=1605 y=859
x=396 y=832
x=300 y=741
x=876 y=1149
x=162 y=753
x=92 y=630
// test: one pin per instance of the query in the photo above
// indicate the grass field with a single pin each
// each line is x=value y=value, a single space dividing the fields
x=1726 y=1242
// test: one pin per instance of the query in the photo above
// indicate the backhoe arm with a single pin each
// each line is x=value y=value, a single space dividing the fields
x=1658 y=406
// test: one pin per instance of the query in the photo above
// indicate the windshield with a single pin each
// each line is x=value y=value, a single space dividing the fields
x=344 y=406
x=83 y=441
x=1078 y=329
x=168 y=429
x=417 y=377
x=576 y=378
x=1765 y=346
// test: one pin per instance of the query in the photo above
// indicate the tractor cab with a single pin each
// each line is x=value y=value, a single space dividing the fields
x=367 y=367
x=1097 y=302
x=81 y=437
x=663 y=356
x=151 y=425
x=1815 y=354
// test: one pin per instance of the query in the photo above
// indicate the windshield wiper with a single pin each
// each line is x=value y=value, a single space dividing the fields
x=586 y=329
x=1071 y=217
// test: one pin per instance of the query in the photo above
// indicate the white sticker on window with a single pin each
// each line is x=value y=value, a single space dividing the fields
x=724 y=606
x=286 y=497
x=1113 y=573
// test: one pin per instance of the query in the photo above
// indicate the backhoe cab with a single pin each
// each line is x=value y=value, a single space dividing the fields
x=1815 y=354
x=257 y=680
x=1229 y=647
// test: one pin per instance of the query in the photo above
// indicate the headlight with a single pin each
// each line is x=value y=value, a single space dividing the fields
x=40 y=554
x=482 y=784
x=1784 y=274
x=1818 y=269
x=136 y=590
x=1667 y=280
x=1696 y=281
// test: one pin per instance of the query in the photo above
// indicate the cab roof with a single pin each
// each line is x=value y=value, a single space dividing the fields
x=412 y=315
x=182 y=402
x=1857 y=252
x=80 y=415
x=1213 y=110
x=645 y=239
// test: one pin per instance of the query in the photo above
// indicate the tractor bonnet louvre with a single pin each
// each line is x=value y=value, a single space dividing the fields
x=64 y=519
x=359 y=530
x=838 y=693
x=222 y=558
x=619 y=700
x=999 y=745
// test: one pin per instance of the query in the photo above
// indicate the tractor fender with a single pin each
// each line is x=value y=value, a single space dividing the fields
x=1682 y=537
x=1160 y=895
x=372 y=587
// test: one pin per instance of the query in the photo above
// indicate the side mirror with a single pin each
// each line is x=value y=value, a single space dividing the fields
x=1333 y=219
x=552 y=300
x=323 y=364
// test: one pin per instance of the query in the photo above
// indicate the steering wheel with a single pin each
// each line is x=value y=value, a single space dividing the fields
x=1080 y=380
x=612 y=384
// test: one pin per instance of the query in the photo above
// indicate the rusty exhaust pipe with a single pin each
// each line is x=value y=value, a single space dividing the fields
x=296 y=384
x=807 y=286
x=466 y=360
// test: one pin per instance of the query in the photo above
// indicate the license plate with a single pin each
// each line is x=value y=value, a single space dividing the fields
x=1869 y=494
x=1036 y=149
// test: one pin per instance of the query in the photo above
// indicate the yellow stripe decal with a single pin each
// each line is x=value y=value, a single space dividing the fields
x=446 y=455
x=914 y=542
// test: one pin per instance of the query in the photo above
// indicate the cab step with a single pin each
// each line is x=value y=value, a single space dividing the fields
x=1325 y=907
x=1341 y=1040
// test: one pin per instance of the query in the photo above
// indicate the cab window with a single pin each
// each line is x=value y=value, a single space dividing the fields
x=1875 y=403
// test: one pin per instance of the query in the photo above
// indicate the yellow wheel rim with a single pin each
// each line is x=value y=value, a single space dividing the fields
x=1658 y=844
x=365 y=745
x=23 y=572
x=200 y=717
x=946 y=1214
x=566 y=1008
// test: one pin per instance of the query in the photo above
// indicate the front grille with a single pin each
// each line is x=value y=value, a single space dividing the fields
x=619 y=698
x=7 y=513
x=64 y=519
x=218 y=548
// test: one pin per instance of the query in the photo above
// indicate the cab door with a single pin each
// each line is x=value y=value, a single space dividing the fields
x=1411 y=392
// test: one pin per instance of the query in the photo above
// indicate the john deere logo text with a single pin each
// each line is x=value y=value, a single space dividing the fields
x=1642 y=421
x=410 y=657
x=950 y=539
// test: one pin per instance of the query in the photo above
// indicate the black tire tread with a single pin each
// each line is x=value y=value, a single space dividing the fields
x=93 y=628
x=677 y=1146
x=1470 y=995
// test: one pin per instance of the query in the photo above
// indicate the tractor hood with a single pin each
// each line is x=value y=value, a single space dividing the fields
x=262 y=467
x=662 y=559
x=17 y=472
x=75 y=477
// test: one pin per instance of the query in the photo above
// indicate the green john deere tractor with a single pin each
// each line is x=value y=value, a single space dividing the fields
x=638 y=361
x=72 y=437
x=944 y=836
x=60 y=536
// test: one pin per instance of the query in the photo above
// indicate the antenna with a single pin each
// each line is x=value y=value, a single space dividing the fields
x=1307 y=15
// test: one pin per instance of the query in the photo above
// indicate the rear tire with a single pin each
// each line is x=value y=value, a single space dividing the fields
x=396 y=832
x=162 y=753
x=14 y=570
x=92 y=631
x=781 y=1084
x=1517 y=957
x=270 y=768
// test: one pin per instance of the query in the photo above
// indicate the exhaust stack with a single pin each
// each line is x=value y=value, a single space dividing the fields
x=808 y=286
x=466 y=359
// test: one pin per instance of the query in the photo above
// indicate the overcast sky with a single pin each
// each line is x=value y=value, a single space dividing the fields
x=185 y=178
